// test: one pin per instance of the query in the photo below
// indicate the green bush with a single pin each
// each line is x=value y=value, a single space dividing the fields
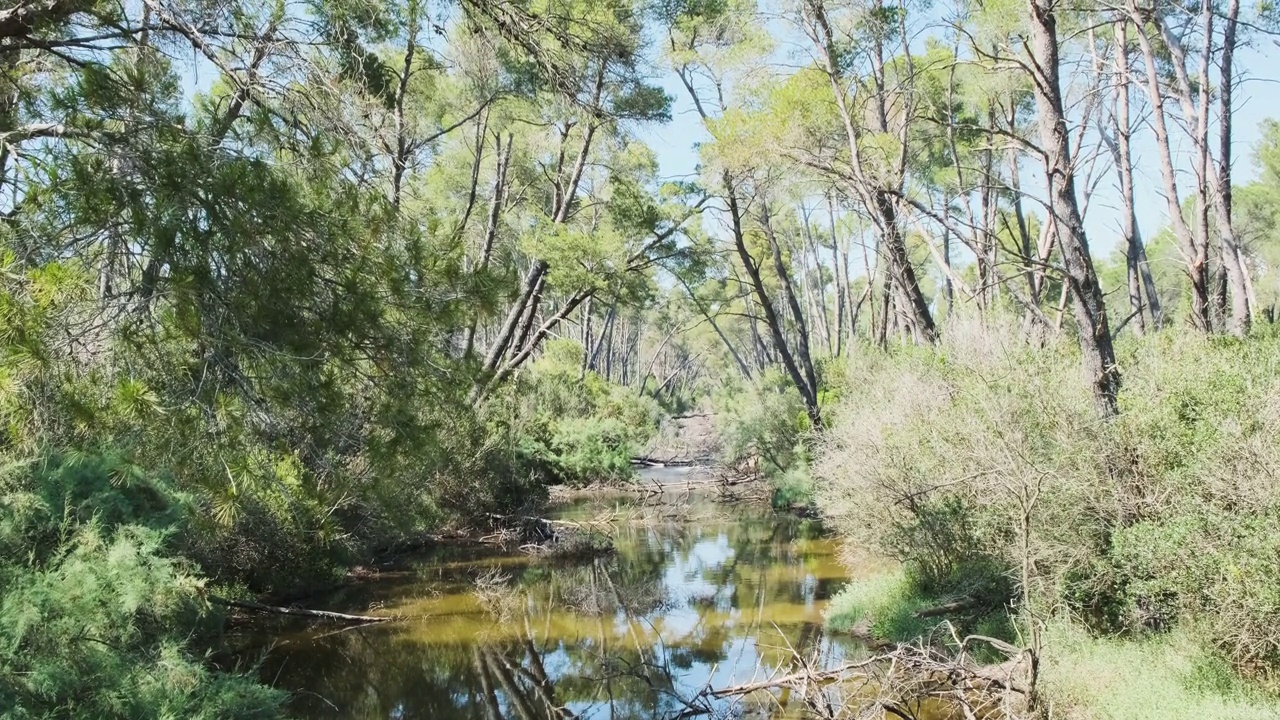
x=574 y=427
x=885 y=605
x=580 y=450
x=95 y=610
x=983 y=458
x=934 y=461
x=793 y=487
x=761 y=425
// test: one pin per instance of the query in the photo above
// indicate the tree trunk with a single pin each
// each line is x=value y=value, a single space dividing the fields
x=1086 y=296
x=1232 y=255
x=594 y=355
x=807 y=392
x=914 y=309
x=788 y=294
x=1138 y=272
x=841 y=255
x=822 y=317
x=586 y=338
x=1196 y=256
x=491 y=227
x=877 y=198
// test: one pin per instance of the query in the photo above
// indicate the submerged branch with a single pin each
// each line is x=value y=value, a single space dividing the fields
x=303 y=612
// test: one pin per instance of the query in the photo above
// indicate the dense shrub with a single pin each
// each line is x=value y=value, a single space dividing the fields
x=761 y=424
x=936 y=459
x=574 y=427
x=304 y=437
x=983 y=458
x=95 y=610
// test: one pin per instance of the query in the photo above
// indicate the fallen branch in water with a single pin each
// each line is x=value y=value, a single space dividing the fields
x=672 y=461
x=796 y=680
x=962 y=605
x=896 y=681
x=304 y=612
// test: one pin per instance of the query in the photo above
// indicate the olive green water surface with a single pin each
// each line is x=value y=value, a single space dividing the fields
x=696 y=593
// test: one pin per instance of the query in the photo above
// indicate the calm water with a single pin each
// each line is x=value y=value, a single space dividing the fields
x=697 y=593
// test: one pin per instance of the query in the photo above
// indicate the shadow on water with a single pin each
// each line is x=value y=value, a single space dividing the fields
x=694 y=595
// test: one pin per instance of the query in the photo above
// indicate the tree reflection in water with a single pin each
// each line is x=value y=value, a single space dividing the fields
x=686 y=601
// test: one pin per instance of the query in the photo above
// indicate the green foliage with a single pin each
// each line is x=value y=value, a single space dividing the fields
x=1162 y=677
x=1200 y=519
x=238 y=321
x=884 y=605
x=576 y=428
x=761 y=424
x=95 y=611
x=1002 y=484
x=794 y=487
x=582 y=450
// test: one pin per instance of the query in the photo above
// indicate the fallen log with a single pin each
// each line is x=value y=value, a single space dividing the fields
x=795 y=679
x=671 y=461
x=956 y=606
x=304 y=612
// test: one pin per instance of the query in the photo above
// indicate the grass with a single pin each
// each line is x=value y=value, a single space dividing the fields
x=884 y=606
x=882 y=603
x=1161 y=677
x=1158 y=677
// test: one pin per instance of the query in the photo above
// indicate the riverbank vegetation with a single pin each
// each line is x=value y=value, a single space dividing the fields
x=275 y=285
x=1001 y=493
x=283 y=286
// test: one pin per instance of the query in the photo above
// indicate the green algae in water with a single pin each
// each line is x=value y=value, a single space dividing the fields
x=693 y=595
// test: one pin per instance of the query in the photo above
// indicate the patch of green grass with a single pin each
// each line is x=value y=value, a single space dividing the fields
x=884 y=605
x=1162 y=677
x=887 y=601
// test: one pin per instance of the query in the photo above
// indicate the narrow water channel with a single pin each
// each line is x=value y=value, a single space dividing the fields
x=696 y=593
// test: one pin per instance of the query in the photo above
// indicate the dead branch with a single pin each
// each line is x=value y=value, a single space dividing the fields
x=303 y=612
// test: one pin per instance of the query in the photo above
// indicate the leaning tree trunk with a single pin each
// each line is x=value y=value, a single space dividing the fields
x=1139 y=270
x=808 y=393
x=1196 y=256
x=877 y=195
x=1232 y=255
x=1086 y=296
x=802 y=344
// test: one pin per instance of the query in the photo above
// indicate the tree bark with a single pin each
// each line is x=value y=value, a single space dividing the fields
x=807 y=392
x=1232 y=255
x=788 y=294
x=1196 y=256
x=822 y=317
x=877 y=198
x=841 y=255
x=1138 y=270
x=586 y=338
x=1086 y=295
x=491 y=227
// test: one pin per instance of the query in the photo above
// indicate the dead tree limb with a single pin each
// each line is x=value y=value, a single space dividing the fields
x=303 y=612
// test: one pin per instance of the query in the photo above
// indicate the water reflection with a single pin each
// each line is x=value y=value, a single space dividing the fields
x=707 y=596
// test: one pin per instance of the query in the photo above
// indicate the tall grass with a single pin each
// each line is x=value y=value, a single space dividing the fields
x=883 y=605
x=1163 y=677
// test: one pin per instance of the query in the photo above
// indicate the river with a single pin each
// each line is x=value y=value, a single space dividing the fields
x=697 y=593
